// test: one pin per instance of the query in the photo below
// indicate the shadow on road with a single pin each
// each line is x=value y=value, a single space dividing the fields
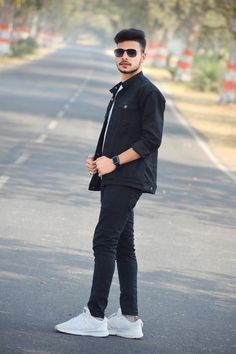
x=47 y=82
x=191 y=312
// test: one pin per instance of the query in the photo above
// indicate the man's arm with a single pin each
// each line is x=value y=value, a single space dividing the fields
x=150 y=140
x=105 y=164
x=128 y=156
x=152 y=125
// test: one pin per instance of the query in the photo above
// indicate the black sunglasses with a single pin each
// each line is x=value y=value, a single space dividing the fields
x=119 y=52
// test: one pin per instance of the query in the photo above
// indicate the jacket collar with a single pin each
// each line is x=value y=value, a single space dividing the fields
x=127 y=83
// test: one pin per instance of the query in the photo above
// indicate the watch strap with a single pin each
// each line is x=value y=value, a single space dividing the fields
x=116 y=161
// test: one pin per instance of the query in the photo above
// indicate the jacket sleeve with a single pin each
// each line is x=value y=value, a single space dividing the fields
x=152 y=124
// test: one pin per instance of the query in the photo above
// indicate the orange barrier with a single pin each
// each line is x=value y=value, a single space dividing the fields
x=152 y=50
x=5 y=38
x=49 y=38
x=228 y=93
x=161 y=55
x=20 y=33
x=184 y=66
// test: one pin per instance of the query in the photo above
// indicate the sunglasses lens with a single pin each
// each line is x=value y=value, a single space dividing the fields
x=132 y=53
x=119 y=52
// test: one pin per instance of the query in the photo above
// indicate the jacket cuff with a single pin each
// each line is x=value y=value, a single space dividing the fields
x=141 y=149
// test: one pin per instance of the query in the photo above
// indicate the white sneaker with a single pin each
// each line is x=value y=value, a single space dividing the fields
x=84 y=325
x=118 y=325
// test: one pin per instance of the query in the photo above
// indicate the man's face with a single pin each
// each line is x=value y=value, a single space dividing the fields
x=127 y=64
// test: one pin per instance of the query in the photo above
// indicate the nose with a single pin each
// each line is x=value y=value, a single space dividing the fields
x=125 y=55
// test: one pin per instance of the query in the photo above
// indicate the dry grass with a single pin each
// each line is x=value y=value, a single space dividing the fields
x=216 y=122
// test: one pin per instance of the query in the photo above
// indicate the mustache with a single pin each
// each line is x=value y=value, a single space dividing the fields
x=124 y=62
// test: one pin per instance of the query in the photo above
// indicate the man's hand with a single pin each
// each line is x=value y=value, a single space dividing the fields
x=104 y=165
x=91 y=165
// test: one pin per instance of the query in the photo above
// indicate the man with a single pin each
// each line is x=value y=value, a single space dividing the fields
x=124 y=166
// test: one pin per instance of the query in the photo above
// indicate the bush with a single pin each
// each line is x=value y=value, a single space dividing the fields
x=23 y=46
x=207 y=73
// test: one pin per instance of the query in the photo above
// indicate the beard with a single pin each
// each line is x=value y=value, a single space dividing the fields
x=127 y=71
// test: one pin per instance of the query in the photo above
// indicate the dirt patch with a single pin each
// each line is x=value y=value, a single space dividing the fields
x=217 y=123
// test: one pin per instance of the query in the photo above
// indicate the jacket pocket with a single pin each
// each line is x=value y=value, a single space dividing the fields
x=128 y=113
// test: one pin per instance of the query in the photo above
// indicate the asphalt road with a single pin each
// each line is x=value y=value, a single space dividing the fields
x=51 y=111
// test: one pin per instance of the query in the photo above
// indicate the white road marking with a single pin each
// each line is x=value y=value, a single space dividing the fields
x=53 y=124
x=22 y=158
x=66 y=107
x=60 y=114
x=205 y=147
x=41 y=138
x=3 y=180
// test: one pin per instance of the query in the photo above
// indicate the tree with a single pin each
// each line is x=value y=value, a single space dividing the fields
x=228 y=92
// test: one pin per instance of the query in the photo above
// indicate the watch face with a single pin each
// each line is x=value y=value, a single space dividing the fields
x=116 y=161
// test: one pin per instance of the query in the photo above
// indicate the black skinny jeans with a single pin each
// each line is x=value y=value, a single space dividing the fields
x=114 y=241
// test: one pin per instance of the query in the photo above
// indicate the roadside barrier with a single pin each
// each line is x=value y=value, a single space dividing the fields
x=161 y=55
x=151 y=51
x=49 y=38
x=228 y=93
x=5 y=38
x=184 y=67
x=20 y=33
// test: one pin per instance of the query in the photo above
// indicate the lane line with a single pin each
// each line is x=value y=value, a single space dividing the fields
x=3 y=180
x=41 y=139
x=53 y=124
x=205 y=147
x=76 y=94
x=22 y=158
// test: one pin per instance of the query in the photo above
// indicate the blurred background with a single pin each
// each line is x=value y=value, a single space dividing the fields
x=56 y=69
x=191 y=48
x=182 y=34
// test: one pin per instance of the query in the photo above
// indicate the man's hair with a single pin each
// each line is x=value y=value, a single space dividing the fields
x=131 y=34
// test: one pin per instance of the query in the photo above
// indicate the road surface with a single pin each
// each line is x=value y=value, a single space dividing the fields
x=51 y=112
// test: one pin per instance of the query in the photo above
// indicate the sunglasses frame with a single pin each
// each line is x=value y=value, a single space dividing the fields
x=122 y=52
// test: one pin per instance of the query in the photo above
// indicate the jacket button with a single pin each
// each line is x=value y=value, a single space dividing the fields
x=125 y=106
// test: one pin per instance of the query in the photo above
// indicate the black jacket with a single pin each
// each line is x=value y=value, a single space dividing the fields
x=137 y=122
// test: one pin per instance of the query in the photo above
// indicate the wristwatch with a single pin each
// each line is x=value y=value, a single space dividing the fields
x=116 y=161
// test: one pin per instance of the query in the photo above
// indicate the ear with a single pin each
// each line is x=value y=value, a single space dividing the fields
x=144 y=55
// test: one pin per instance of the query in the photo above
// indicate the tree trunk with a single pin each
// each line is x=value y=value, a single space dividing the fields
x=6 y=19
x=152 y=47
x=7 y=13
x=161 y=55
x=184 y=67
x=161 y=59
x=228 y=91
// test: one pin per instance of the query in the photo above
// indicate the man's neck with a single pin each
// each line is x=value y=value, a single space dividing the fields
x=128 y=76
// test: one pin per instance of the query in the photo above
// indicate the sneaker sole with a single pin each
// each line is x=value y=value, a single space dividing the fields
x=83 y=333
x=125 y=334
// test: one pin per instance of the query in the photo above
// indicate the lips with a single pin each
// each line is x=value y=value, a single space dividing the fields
x=125 y=63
